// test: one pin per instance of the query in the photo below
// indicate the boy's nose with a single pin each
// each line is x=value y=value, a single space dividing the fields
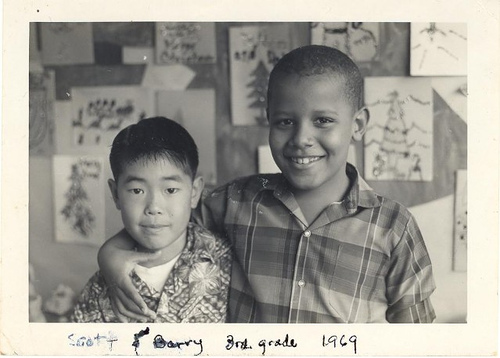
x=153 y=207
x=302 y=136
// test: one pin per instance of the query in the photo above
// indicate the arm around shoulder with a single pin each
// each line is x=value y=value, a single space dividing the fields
x=112 y=256
x=117 y=258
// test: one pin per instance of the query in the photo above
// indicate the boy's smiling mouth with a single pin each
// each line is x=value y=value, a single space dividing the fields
x=304 y=160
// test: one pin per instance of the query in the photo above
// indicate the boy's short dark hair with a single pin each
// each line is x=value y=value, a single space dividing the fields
x=152 y=139
x=317 y=60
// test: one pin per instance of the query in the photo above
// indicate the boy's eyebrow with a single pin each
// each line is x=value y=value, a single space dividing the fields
x=132 y=178
x=316 y=112
x=326 y=112
x=175 y=177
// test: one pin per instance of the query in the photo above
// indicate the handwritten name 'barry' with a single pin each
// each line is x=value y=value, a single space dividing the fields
x=160 y=342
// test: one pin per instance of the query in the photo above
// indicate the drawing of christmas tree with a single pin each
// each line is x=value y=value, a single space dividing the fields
x=397 y=157
x=77 y=209
x=394 y=142
x=259 y=85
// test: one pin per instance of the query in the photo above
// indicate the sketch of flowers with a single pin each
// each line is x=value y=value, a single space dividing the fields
x=102 y=115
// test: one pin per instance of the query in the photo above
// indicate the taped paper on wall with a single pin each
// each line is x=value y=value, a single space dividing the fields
x=79 y=199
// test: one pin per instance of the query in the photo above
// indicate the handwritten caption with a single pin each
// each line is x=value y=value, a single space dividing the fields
x=90 y=341
x=335 y=343
x=331 y=341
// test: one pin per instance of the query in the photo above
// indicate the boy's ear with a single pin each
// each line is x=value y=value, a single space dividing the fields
x=114 y=192
x=361 y=118
x=198 y=185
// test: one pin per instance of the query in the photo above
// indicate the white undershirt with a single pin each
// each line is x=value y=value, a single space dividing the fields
x=156 y=276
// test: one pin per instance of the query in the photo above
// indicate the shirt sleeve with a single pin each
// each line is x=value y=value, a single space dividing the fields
x=410 y=280
x=87 y=308
x=211 y=212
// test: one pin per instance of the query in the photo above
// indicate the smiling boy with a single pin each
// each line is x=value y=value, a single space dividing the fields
x=155 y=186
x=316 y=243
x=312 y=123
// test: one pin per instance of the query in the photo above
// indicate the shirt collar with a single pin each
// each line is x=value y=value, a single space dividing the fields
x=360 y=194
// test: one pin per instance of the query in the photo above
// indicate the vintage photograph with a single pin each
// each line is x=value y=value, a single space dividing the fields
x=367 y=252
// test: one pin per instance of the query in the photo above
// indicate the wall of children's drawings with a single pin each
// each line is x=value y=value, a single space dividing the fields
x=89 y=80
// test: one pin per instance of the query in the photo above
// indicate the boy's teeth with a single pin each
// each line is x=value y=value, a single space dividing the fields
x=305 y=160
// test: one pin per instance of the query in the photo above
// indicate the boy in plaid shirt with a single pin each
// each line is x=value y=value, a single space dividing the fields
x=315 y=243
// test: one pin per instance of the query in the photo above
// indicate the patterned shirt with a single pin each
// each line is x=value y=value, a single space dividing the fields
x=195 y=291
x=362 y=260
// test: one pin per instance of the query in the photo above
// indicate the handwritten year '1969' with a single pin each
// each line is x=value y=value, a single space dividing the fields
x=335 y=341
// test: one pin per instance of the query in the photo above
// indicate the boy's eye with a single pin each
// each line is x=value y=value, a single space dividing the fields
x=137 y=191
x=285 y=122
x=323 y=120
x=172 y=190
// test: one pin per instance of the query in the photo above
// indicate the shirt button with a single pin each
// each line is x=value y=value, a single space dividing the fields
x=301 y=283
x=307 y=233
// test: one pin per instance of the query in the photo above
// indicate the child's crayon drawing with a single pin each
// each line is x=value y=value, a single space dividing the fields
x=99 y=113
x=195 y=110
x=460 y=222
x=398 y=139
x=41 y=113
x=253 y=51
x=58 y=43
x=185 y=42
x=359 y=40
x=79 y=199
x=438 y=49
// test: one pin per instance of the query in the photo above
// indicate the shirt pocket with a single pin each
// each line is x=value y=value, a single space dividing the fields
x=358 y=283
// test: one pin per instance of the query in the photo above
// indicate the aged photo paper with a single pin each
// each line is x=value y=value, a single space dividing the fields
x=477 y=337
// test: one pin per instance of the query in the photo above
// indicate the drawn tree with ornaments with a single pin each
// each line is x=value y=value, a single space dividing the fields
x=77 y=209
x=259 y=85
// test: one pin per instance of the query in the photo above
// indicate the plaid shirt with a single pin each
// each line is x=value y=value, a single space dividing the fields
x=362 y=260
x=195 y=291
